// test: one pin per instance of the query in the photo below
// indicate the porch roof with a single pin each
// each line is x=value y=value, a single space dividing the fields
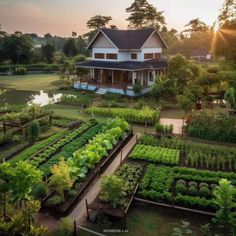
x=124 y=65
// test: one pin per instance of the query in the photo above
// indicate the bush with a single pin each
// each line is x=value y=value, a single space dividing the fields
x=56 y=200
x=181 y=181
x=192 y=190
x=40 y=191
x=20 y=70
x=72 y=192
x=65 y=227
x=192 y=183
x=34 y=130
x=203 y=185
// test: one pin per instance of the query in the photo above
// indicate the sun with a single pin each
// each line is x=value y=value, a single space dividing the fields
x=216 y=28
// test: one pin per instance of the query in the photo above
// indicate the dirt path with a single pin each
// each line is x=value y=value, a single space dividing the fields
x=79 y=212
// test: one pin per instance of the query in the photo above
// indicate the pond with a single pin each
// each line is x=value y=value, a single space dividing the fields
x=28 y=97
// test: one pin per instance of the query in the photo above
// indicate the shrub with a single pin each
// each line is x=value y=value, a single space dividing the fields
x=34 y=130
x=113 y=190
x=213 y=186
x=55 y=200
x=20 y=70
x=137 y=88
x=193 y=190
x=40 y=191
x=181 y=181
x=72 y=192
x=65 y=227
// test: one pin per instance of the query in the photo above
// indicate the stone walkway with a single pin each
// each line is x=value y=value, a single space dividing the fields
x=177 y=124
x=79 y=212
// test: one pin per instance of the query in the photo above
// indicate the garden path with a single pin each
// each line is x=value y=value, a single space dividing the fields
x=177 y=124
x=79 y=212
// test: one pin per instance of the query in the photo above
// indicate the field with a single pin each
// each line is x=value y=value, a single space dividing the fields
x=29 y=82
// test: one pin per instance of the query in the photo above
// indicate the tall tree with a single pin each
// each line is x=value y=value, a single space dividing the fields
x=195 y=25
x=228 y=11
x=17 y=48
x=98 y=22
x=70 y=48
x=144 y=15
x=48 y=51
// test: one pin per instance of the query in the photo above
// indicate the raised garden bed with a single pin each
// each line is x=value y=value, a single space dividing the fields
x=68 y=205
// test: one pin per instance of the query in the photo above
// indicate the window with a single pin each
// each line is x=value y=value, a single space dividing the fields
x=134 y=56
x=157 y=55
x=148 y=56
x=99 y=55
x=112 y=56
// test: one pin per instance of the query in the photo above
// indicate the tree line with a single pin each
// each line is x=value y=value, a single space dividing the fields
x=196 y=38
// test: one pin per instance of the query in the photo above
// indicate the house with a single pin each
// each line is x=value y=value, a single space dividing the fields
x=122 y=58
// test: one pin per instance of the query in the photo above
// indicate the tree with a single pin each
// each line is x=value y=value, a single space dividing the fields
x=230 y=96
x=185 y=103
x=17 y=48
x=48 y=51
x=182 y=70
x=98 y=22
x=22 y=178
x=225 y=200
x=228 y=11
x=144 y=15
x=34 y=130
x=160 y=86
x=70 y=48
x=113 y=190
x=195 y=25
x=61 y=179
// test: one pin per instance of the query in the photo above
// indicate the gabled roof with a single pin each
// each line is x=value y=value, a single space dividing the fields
x=128 y=39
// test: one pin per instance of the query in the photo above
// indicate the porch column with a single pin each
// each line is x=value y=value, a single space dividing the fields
x=133 y=77
x=112 y=76
x=142 y=75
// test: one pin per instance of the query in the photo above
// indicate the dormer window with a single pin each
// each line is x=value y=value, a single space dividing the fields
x=111 y=56
x=99 y=55
x=134 y=56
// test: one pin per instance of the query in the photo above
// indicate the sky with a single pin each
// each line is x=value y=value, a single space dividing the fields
x=61 y=17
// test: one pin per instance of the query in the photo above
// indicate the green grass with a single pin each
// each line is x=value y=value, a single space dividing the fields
x=151 y=222
x=29 y=82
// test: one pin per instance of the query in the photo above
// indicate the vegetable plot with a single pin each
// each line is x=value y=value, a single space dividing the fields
x=142 y=116
x=191 y=187
x=156 y=154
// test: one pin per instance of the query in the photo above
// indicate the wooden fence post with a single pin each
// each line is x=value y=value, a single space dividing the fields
x=86 y=203
x=75 y=229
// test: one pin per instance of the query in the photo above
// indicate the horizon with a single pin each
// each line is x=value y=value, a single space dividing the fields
x=41 y=17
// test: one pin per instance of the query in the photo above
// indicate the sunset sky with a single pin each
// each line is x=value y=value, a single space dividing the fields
x=61 y=17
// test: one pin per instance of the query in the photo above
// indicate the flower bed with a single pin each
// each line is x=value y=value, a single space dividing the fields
x=156 y=154
x=142 y=116
x=182 y=186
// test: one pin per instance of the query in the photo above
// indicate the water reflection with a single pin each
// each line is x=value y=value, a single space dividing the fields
x=28 y=97
x=43 y=98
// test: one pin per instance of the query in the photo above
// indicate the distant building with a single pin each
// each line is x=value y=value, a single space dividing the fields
x=201 y=55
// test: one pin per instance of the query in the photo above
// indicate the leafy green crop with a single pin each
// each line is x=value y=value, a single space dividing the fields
x=156 y=154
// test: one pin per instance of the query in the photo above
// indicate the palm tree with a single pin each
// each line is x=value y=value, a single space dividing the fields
x=230 y=96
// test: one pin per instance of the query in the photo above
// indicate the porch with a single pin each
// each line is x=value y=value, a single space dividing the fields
x=121 y=77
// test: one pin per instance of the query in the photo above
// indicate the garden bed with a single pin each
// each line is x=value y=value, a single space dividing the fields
x=68 y=205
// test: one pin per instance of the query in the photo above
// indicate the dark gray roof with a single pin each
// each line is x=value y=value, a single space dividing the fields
x=124 y=65
x=128 y=39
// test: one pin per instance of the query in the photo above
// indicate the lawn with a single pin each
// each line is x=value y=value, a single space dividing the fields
x=149 y=221
x=29 y=82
